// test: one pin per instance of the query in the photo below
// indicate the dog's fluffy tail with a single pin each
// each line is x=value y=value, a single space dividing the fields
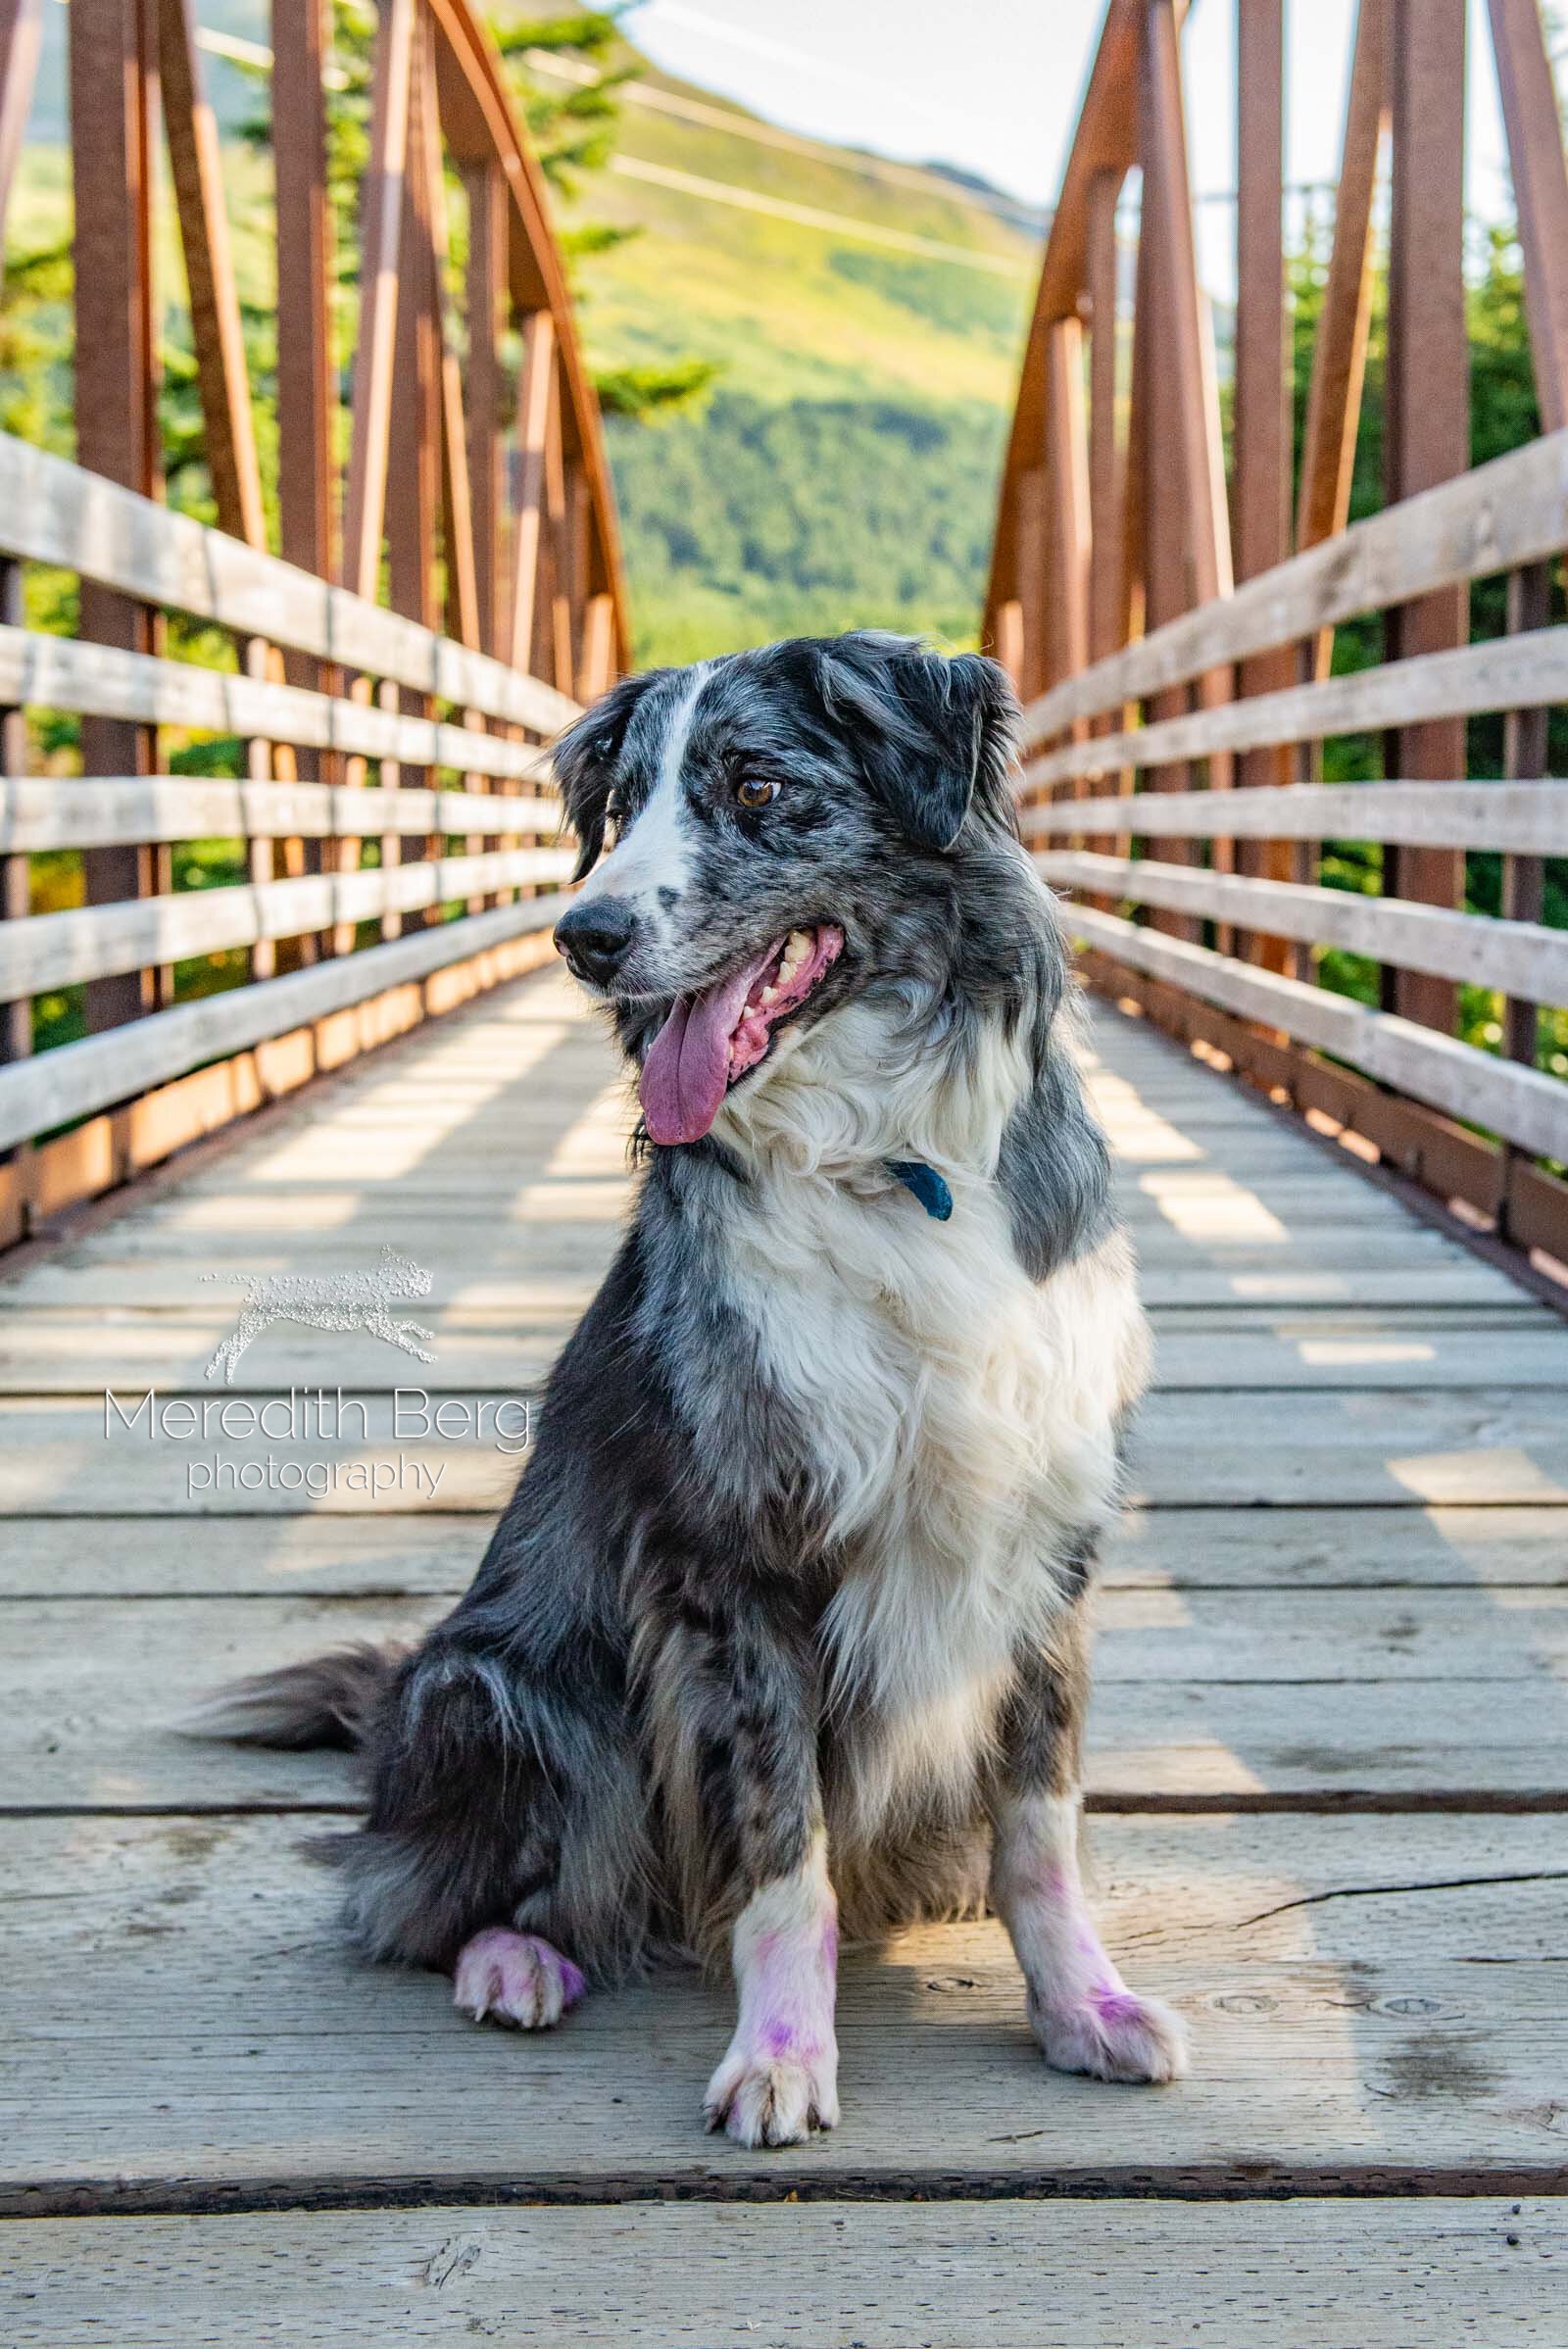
x=328 y=1701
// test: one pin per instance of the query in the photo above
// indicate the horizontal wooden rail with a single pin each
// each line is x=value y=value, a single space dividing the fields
x=52 y=512
x=89 y=941
x=67 y=813
x=58 y=672
x=76 y=1079
x=1519 y=819
x=1511 y=511
x=1510 y=672
x=1521 y=958
x=1522 y=1104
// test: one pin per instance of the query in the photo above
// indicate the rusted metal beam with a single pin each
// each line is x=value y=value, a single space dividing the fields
x=381 y=217
x=305 y=486
x=113 y=92
x=1067 y=506
x=487 y=301
x=1534 y=125
x=1260 y=501
x=479 y=119
x=457 y=502
x=535 y=397
x=218 y=339
x=21 y=39
x=1428 y=416
x=1106 y=463
x=413 y=488
x=15 y=872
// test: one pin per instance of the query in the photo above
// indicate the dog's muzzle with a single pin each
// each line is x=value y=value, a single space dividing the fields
x=596 y=938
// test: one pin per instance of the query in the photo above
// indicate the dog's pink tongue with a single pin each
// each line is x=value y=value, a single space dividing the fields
x=686 y=1072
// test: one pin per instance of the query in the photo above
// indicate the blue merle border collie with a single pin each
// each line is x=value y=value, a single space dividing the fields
x=784 y=1629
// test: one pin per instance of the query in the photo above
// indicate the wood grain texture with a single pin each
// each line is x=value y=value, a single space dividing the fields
x=55 y=513
x=1441 y=1696
x=391 y=1559
x=190 y=2026
x=1510 y=512
x=973 y=2275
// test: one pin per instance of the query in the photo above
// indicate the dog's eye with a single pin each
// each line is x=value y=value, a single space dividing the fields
x=755 y=792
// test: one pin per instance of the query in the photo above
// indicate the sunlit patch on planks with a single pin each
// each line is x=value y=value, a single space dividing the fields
x=1330 y=1755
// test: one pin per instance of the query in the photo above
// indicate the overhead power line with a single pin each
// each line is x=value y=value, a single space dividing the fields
x=807 y=215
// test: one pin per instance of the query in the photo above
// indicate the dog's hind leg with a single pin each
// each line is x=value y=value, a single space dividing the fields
x=1082 y=2011
x=507 y=1832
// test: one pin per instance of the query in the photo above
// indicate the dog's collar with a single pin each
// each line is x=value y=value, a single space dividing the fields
x=926 y=1183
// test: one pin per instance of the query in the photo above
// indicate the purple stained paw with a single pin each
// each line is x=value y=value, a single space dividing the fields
x=514 y=1979
x=1112 y=2033
x=775 y=2094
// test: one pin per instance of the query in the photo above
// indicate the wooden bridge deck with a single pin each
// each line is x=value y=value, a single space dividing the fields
x=1331 y=1755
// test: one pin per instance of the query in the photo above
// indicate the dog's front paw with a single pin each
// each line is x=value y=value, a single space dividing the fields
x=514 y=1979
x=762 y=2098
x=1112 y=2034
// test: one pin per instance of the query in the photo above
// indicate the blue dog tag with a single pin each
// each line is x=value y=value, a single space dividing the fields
x=926 y=1183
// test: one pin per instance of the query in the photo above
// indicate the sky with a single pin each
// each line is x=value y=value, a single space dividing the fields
x=994 y=86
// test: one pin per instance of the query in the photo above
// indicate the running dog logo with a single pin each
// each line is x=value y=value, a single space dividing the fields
x=339 y=1300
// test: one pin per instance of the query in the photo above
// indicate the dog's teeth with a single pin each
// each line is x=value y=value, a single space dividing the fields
x=770 y=993
x=797 y=947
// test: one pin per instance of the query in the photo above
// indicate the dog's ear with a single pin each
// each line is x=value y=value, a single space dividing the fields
x=932 y=735
x=585 y=759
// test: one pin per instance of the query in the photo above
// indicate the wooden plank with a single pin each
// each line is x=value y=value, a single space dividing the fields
x=1518 y=956
x=82 y=1077
x=1526 y=819
x=392 y=1561
x=61 y=673
x=1498 y=515
x=66 y=813
x=1513 y=672
x=1437 y=1698
x=1523 y=1104
x=1378 y=2272
x=56 y=950
x=1237 y=1550
x=52 y=512
x=1398 y=1449
x=1339 y=2042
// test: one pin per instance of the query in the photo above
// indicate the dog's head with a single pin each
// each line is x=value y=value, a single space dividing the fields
x=785 y=829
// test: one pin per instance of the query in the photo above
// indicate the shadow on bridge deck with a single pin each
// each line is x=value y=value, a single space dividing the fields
x=1331 y=1747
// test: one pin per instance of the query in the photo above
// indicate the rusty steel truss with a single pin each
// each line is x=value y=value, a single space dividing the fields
x=446 y=589
x=1171 y=629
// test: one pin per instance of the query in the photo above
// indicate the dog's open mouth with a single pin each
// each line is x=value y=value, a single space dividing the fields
x=712 y=1039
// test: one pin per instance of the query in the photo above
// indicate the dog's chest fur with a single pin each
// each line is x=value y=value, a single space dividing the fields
x=958 y=1418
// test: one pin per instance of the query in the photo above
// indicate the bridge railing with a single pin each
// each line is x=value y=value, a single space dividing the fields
x=1175 y=657
x=378 y=772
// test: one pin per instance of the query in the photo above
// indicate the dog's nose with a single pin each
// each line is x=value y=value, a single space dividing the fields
x=595 y=937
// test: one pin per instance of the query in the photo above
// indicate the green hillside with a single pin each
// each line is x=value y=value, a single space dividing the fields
x=842 y=472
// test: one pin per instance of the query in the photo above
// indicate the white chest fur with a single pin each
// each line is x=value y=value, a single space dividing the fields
x=961 y=1417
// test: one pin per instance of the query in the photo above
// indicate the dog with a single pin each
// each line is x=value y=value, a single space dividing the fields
x=784 y=1631
x=338 y=1300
